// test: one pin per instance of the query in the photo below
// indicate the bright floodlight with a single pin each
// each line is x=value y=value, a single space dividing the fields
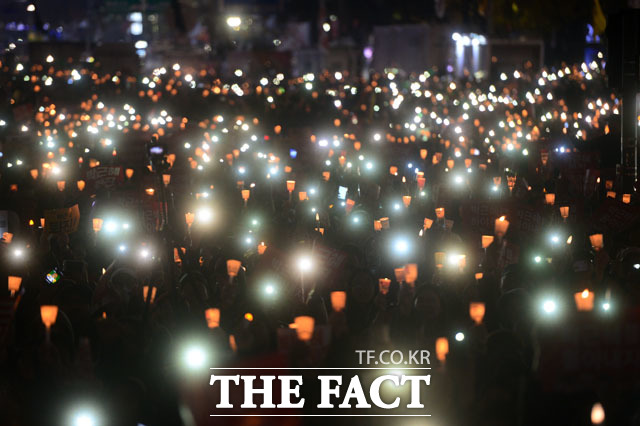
x=234 y=21
x=204 y=215
x=194 y=357
x=304 y=263
x=270 y=289
x=401 y=246
x=549 y=306
x=537 y=259
x=110 y=226
x=84 y=418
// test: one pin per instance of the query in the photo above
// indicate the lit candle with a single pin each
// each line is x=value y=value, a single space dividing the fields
x=442 y=348
x=584 y=300
x=550 y=198
x=501 y=226
x=338 y=300
x=304 y=327
x=14 y=284
x=212 y=315
x=476 y=312
x=383 y=285
x=596 y=241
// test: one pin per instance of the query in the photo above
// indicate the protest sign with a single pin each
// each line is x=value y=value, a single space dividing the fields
x=62 y=220
x=104 y=177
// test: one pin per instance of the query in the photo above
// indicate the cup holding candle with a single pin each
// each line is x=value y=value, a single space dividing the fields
x=48 y=314
x=476 y=312
x=596 y=241
x=212 y=315
x=233 y=266
x=383 y=285
x=338 y=300
x=442 y=349
x=487 y=240
x=304 y=326
x=384 y=222
x=411 y=273
x=584 y=300
x=501 y=227
x=400 y=275
x=14 y=284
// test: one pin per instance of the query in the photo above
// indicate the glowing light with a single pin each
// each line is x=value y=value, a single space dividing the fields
x=549 y=306
x=234 y=21
x=194 y=357
x=305 y=264
x=597 y=414
x=459 y=336
x=401 y=246
x=84 y=418
x=204 y=215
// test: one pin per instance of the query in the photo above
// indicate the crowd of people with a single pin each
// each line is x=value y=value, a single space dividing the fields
x=156 y=223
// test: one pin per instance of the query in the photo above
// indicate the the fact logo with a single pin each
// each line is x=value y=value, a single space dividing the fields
x=332 y=391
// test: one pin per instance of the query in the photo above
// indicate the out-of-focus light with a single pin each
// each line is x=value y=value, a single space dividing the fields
x=304 y=263
x=549 y=306
x=597 y=414
x=636 y=266
x=144 y=253
x=269 y=289
x=110 y=226
x=537 y=259
x=194 y=357
x=326 y=27
x=31 y=8
x=606 y=306
x=234 y=21
x=204 y=215
x=401 y=246
x=84 y=417
x=459 y=336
